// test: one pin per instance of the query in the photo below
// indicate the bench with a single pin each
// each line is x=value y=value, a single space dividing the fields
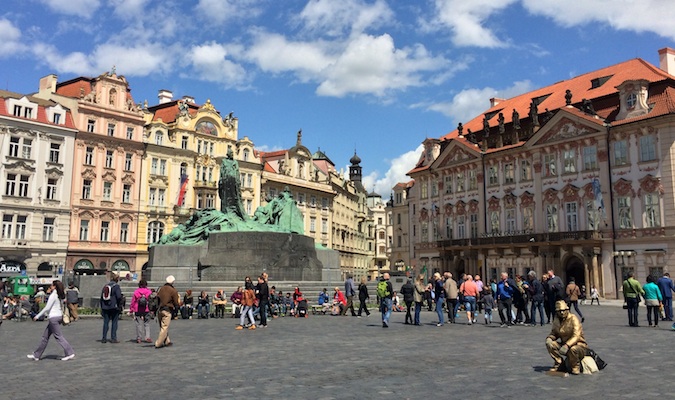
x=317 y=309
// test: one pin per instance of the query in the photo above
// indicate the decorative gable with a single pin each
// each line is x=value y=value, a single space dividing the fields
x=564 y=130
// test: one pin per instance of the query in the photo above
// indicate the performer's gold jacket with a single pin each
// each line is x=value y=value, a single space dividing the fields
x=569 y=331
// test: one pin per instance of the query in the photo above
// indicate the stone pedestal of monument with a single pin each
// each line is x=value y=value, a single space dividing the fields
x=230 y=256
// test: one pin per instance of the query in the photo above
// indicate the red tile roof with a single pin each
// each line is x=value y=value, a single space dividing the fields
x=41 y=116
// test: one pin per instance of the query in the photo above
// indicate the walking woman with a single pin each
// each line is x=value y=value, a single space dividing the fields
x=54 y=307
x=363 y=296
x=420 y=287
x=439 y=294
x=653 y=300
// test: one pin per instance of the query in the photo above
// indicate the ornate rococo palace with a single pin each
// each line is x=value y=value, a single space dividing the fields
x=576 y=177
x=90 y=177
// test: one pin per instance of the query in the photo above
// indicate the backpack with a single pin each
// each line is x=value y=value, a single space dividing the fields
x=106 y=294
x=153 y=303
x=383 y=289
x=142 y=303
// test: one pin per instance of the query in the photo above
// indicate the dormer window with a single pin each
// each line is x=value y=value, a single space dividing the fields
x=631 y=100
x=22 y=107
x=56 y=114
x=633 y=95
x=56 y=119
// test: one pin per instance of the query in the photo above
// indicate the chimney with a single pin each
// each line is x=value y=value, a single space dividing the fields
x=48 y=83
x=667 y=60
x=189 y=99
x=494 y=101
x=164 y=96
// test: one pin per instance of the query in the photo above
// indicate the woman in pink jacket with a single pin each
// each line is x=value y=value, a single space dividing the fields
x=141 y=312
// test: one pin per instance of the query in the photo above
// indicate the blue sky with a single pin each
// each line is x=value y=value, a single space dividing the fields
x=374 y=76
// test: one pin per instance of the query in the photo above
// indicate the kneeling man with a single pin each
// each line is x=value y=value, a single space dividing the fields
x=566 y=339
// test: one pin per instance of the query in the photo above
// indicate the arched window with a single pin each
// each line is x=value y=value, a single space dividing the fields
x=245 y=154
x=159 y=138
x=183 y=170
x=155 y=231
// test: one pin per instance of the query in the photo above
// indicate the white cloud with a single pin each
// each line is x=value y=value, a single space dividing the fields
x=399 y=166
x=129 y=9
x=140 y=60
x=469 y=103
x=211 y=62
x=80 y=8
x=220 y=11
x=655 y=16
x=467 y=21
x=274 y=53
x=337 y=18
x=10 y=36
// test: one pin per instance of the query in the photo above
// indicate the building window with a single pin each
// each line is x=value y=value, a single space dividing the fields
x=434 y=188
x=510 y=219
x=590 y=158
x=7 y=224
x=23 y=186
x=473 y=180
x=130 y=133
x=211 y=200
x=211 y=148
x=161 y=194
x=184 y=143
x=162 y=167
x=460 y=182
x=249 y=206
x=128 y=162
x=474 y=225
x=54 y=152
x=107 y=191
x=528 y=219
x=14 y=147
x=245 y=154
x=153 y=166
x=652 y=211
x=89 y=156
x=249 y=184
x=155 y=231
x=10 y=187
x=199 y=146
x=620 y=152
x=447 y=182
x=551 y=218
x=324 y=226
x=86 y=189
x=109 y=159
x=91 y=125
x=124 y=232
x=84 y=229
x=424 y=190
x=26 y=148
x=312 y=224
x=159 y=138
x=647 y=148
x=48 y=230
x=494 y=222
x=625 y=215
x=549 y=165
x=105 y=229
x=111 y=129
x=509 y=174
x=461 y=229
x=571 y=217
x=493 y=175
x=570 y=161
x=126 y=194
x=17 y=110
x=152 y=196
x=51 y=189
x=525 y=170
x=448 y=228
x=56 y=119
x=21 y=226
x=301 y=198
x=424 y=231
x=324 y=203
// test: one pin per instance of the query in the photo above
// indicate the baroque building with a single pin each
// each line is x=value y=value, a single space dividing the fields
x=576 y=177
x=399 y=246
x=106 y=173
x=37 y=139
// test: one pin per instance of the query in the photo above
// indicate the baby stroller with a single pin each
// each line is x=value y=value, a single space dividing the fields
x=301 y=309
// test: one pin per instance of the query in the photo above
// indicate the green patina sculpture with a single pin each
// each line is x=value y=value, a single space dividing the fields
x=281 y=213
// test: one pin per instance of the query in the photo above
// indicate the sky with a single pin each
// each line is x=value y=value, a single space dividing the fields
x=375 y=77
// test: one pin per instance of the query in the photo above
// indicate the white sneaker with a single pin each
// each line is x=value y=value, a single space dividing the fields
x=70 y=357
x=32 y=357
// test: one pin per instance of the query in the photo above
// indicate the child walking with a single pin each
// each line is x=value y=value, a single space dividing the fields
x=488 y=303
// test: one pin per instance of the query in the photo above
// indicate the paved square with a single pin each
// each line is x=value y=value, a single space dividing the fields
x=325 y=357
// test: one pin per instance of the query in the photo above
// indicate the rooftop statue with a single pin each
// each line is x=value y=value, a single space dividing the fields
x=280 y=214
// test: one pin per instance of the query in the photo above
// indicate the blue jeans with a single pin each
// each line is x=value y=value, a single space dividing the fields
x=110 y=317
x=470 y=303
x=385 y=307
x=418 y=309
x=203 y=310
x=439 y=310
x=537 y=305
x=633 y=307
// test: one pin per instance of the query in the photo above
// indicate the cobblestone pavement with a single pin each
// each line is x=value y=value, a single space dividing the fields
x=325 y=357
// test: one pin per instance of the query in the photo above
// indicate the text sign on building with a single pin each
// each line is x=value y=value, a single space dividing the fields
x=8 y=268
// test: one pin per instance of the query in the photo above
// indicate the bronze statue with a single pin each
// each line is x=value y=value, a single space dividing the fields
x=566 y=340
x=229 y=187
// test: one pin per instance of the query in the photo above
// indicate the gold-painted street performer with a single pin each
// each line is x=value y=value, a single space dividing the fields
x=566 y=339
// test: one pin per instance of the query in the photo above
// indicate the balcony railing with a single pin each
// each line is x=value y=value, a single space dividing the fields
x=523 y=238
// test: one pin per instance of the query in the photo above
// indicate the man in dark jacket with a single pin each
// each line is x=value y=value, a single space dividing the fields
x=385 y=300
x=408 y=292
x=263 y=293
x=350 y=292
x=536 y=290
x=110 y=308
